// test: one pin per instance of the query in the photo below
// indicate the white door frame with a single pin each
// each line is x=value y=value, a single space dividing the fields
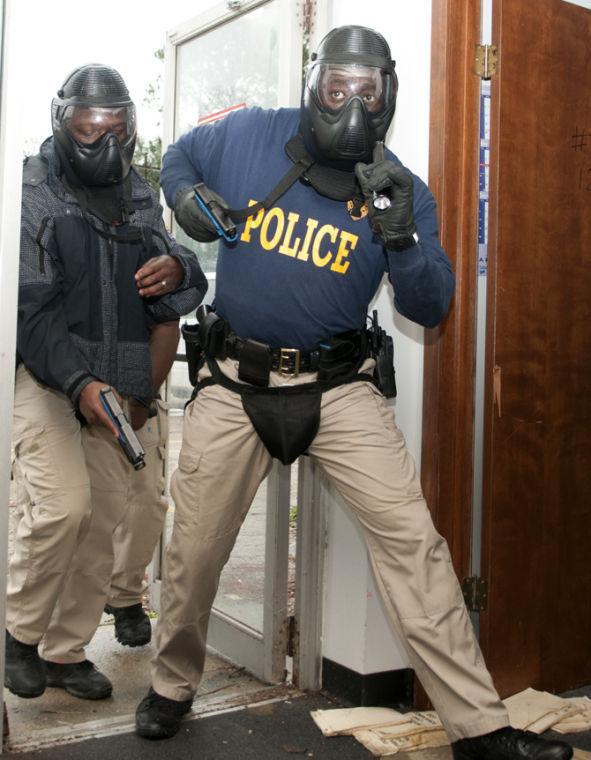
x=262 y=653
x=11 y=162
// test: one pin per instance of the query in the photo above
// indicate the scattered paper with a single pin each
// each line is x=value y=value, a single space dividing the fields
x=579 y=721
x=347 y=720
x=386 y=732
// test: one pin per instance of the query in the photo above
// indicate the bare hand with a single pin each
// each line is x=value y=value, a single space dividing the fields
x=160 y=275
x=138 y=414
x=92 y=408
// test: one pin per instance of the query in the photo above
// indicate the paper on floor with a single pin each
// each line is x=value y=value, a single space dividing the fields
x=579 y=721
x=538 y=710
x=347 y=720
x=387 y=732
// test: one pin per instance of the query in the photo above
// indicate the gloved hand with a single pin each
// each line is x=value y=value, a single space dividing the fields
x=396 y=224
x=192 y=219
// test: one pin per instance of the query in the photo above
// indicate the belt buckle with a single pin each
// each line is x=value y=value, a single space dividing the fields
x=285 y=355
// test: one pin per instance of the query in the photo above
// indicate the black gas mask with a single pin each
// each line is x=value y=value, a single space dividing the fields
x=94 y=126
x=349 y=97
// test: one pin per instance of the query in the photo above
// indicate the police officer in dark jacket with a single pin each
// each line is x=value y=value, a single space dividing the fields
x=102 y=288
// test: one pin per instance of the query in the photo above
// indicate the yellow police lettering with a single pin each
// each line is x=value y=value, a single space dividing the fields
x=332 y=233
x=285 y=247
x=274 y=213
x=252 y=222
x=311 y=225
x=347 y=244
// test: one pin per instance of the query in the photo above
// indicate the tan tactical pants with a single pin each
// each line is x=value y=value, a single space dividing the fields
x=136 y=536
x=222 y=462
x=78 y=484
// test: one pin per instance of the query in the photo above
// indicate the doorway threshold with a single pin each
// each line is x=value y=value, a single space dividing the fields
x=57 y=718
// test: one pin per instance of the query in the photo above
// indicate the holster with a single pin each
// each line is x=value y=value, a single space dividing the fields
x=206 y=337
x=193 y=350
x=341 y=356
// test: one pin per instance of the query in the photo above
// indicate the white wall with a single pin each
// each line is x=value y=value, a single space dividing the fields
x=356 y=632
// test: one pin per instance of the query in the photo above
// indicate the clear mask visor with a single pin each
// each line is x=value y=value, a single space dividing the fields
x=335 y=84
x=88 y=125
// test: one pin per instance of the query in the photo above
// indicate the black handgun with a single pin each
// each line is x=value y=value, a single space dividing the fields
x=128 y=440
x=210 y=205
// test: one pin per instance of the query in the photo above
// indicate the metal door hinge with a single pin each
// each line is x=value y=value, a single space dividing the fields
x=485 y=61
x=292 y=633
x=475 y=591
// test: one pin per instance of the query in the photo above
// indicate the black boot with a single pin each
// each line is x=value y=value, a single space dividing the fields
x=24 y=674
x=80 y=679
x=510 y=744
x=157 y=717
x=132 y=625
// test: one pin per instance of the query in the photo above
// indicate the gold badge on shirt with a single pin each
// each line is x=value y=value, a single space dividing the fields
x=357 y=209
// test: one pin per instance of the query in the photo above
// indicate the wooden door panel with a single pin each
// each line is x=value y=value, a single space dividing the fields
x=537 y=494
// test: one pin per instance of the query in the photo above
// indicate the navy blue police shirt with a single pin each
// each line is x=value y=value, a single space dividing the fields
x=303 y=270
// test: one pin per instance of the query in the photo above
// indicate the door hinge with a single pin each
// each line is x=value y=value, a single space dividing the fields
x=485 y=61
x=475 y=591
x=292 y=633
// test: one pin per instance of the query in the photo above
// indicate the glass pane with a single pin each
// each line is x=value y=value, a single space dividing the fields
x=242 y=584
x=236 y=64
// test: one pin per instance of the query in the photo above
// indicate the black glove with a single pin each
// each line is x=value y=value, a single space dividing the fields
x=395 y=224
x=192 y=219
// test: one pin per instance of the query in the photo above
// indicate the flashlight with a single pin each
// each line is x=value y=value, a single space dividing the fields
x=380 y=201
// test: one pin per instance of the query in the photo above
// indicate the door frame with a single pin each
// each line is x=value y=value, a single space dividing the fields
x=261 y=652
x=450 y=349
x=10 y=214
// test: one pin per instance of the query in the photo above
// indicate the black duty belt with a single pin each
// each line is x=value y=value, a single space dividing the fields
x=287 y=361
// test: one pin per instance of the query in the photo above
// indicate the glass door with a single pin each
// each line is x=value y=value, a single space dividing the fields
x=226 y=59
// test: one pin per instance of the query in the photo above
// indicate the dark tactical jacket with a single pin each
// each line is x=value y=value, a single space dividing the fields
x=80 y=316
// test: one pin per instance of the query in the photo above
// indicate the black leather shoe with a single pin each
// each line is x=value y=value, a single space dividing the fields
x=158 y=717
x=132 y=625
x=80 y=679
x=24 y=674
x=510 y=744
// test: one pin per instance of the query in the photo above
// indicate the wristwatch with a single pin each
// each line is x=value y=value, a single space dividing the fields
x=402 y=243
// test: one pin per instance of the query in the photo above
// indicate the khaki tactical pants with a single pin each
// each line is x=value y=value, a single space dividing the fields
x=78 y=484
x=221 y=464
x=136 y=536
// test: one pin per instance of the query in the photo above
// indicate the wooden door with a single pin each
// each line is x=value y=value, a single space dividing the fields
x=537 y=461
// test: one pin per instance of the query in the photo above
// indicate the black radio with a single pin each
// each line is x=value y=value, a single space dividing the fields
x=381 y=349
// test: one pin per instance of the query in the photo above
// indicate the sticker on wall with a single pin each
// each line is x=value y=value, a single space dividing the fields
x=483 y=179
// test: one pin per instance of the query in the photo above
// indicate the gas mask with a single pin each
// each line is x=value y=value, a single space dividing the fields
x=349 y=97
x=94 y=126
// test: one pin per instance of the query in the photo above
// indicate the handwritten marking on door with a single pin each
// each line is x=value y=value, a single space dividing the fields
x=579 y=139
x=580 y=142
